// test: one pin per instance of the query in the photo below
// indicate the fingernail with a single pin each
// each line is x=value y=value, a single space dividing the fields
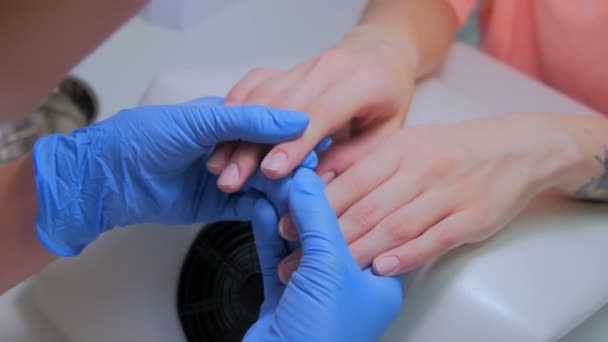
x=327 y=177
x=284 y=275
x=230 y=175
x=286 y=268
x=275 y=162
x=386 y=265
x=215 y=162
x=282 y=227
x=286 y=229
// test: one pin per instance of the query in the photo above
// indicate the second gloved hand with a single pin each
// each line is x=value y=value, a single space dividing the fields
x=146 y=165
x=328 y=298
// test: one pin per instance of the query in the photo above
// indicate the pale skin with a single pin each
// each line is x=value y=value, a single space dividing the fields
x=384 y=206
x=361 y=87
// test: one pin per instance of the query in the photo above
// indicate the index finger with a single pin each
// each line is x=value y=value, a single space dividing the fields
x=269 y=245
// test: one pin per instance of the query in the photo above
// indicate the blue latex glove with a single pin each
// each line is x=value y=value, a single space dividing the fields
x=328 y=298
x=147 y=165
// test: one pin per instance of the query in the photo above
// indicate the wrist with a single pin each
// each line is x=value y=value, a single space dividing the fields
x=555 y=154
x=396 y=48
x=71 y=183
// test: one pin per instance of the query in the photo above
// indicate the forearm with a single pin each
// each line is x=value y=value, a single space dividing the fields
x=21 y=253
x=570 y=152
x=426 y=28
x=42 y=40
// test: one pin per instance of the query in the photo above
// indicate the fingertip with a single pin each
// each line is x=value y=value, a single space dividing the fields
x=275 y=164
x=214 y=168
x=328 y=176
x=263 y=210
x=229 y=180
x=388 y=265
x=306 y=180
x=287 y=229
x=287 y=267
x=310 y=161
x=284 y=118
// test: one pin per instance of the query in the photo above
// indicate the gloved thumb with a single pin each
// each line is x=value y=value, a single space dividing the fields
x=314 y=218
x=252 y=123
x=269 y=246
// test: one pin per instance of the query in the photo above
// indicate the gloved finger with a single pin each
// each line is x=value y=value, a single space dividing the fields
x=240 y=166
x=388 y=292
x=251 y=123
x=238 y=207
x=315 y=220
x=287 y=229
x=310 y=161
x=439 y=239
x=220 y=156
x=208 y=101
x=275 y=191
x=324 y=144
x=241 y=90
x=269 y=245
x=289 y=265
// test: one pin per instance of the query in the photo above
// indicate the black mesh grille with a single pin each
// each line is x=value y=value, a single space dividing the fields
x=220 y=286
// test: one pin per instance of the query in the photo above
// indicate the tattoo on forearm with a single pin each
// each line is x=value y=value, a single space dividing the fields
x=597 y=188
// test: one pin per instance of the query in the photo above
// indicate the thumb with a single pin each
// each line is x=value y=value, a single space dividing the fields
x=252 y=123
x=315 y=220
x=269 y=246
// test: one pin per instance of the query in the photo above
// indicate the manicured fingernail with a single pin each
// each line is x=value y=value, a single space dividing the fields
x=283 y=274
x=327 y=177
x=386 y=265
x=282 y=227
x=230 y=175
x=275 y=162
x=286 y=229
x=215 y=162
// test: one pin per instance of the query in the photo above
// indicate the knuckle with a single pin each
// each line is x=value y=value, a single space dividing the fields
x=259 y=72
x=364 y=215
x=447 y=239
x=441 y=163
x=260 y=95
x=401 y=232
x=334 y=58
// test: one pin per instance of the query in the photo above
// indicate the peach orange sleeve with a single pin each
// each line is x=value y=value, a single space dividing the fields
x=462 y=9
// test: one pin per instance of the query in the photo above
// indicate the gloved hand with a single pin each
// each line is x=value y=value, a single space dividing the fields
x=328 y=298
x=147 y=165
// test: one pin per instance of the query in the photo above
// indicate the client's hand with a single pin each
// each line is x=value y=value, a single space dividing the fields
x=364 y=82
x=328 y=298
x=429 y=189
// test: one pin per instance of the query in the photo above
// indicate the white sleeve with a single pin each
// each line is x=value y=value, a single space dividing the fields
x=181 y=14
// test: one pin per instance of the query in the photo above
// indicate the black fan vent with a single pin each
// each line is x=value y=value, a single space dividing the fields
x=220 y=286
